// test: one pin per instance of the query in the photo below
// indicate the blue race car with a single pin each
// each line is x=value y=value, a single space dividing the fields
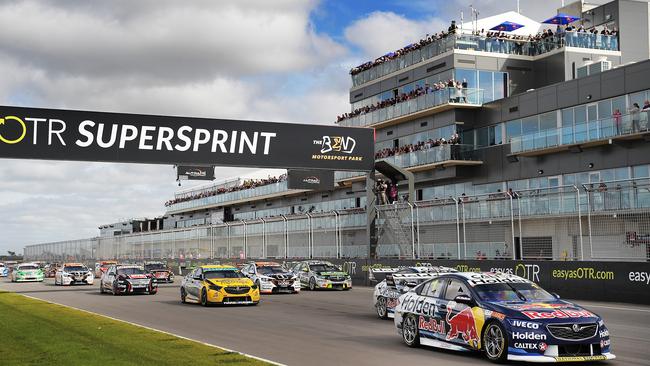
x=505 y=316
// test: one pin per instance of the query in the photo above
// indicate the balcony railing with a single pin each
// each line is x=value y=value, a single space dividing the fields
x=436 y=154
x=467 y=96
x=602 y=129
x=484 y=44
x=230 y=196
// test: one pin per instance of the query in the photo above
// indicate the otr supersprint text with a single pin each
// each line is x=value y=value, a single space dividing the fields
x=146 y=137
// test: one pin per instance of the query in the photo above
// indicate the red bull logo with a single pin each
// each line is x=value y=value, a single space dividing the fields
x=462 y=324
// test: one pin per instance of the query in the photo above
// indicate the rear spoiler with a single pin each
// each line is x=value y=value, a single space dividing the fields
x=388 y=274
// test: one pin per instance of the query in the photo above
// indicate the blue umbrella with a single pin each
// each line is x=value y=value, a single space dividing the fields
x=561 y=19
x=507 y=27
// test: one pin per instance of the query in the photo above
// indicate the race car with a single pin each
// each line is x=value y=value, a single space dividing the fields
x=73 y=273
x=27 y=272
x=321 y=275
x=127 y=279
x=271 y=277
x=50 y=270
x=219 y=284
x=398 y=281
x=101 y=267
x=159 y=271
x=507 y=317
x=4 y=270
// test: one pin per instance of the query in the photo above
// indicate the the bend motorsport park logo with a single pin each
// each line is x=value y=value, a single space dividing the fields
x=336 y=148
x=12 y=130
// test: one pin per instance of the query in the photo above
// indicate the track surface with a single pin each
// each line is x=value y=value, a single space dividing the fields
x=314 y=328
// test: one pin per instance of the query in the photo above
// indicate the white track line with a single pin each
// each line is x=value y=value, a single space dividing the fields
x=158 y=330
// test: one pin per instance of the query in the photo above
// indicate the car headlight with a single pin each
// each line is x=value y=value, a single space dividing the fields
x=265 y=279
x=215 y=287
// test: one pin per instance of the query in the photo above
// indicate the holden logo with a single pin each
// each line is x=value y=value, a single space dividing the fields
x=576 y=328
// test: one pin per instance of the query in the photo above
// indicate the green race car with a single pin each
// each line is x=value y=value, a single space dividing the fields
x=27 y=272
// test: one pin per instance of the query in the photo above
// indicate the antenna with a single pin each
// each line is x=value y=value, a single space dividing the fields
x=518 y=8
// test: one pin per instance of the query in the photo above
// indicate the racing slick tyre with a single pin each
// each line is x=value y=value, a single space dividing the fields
x=116 y=290
x=204 y=298
x=183 y=296
x=495 y=342
x=312 y=284
x=382 y=312
x=410 y=331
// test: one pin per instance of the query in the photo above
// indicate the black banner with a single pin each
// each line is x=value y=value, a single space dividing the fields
x=195 y=172
x=50 y=134
x=600 y=281
x=320 y=180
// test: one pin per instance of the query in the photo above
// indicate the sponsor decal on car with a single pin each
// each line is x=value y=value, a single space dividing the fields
x=529 y=336
x=541 y=346
x=494 y=314
x=559 y=314
x=524 y=324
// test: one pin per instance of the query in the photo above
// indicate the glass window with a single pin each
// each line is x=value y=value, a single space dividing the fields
x=548 y=121
x=639 y=98
x=619 y=103
x=435 y=288
x=622 y=173
x=567 y=117
x=580 y=114
x=513 y=129
x=486 y=84
x=500 y=85
x=529 y=125
x=641 y=171
x=604 y=109
x=455 y=288
x=496 y=134
x=467 y=75
x=482 y=137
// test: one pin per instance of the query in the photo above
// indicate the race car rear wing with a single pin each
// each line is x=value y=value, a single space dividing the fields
x=391 y=277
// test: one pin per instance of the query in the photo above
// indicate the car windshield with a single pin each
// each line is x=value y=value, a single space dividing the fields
x=130 y=271
x=27 y=268
x=512 y=292
x=267 y=270
x=75 y=269
x=324 y=268
x=154 y=266
x=223 y=273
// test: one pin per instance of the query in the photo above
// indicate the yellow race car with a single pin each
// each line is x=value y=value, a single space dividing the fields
x=219 y=284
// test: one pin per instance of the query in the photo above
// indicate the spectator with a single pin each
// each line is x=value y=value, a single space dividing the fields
x=617 y=120
x=635 y=112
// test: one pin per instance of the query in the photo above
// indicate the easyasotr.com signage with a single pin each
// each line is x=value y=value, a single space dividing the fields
x=31 y=133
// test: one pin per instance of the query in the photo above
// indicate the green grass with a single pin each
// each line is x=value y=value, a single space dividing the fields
x=39 y=333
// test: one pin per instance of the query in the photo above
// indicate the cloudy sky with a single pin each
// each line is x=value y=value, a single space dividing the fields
x=278 y=60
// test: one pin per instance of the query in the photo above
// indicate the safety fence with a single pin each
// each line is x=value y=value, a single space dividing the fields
x=602 y=221
x=336 y=234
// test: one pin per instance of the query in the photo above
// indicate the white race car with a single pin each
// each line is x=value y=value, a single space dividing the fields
x=271 y=277
x=72 y=274
x=398 y=281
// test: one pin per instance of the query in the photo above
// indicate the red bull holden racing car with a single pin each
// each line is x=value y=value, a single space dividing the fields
x=505 y=316
x=398 y=281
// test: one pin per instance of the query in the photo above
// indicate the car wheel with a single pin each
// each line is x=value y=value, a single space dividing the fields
x=204 y=298
x=183 y=296
x=312 y=284
x=382 y=312
x=495 y=342
x=116 y=290
x=410 y=331
x=101 y=288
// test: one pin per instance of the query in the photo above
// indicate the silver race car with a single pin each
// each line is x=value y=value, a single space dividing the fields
x=398 y=281
x=321 y=275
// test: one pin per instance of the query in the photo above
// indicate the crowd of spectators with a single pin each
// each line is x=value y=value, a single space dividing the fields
x=422 y=145
x=246 y=184
x=493 y=41
x=458 y=94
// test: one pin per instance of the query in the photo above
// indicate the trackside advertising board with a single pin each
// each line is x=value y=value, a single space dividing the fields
x=51 y=134
x=195 y=172
x=588 y=280
x=311 y=179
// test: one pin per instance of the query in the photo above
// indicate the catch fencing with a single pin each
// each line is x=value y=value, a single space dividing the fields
x=604 y=221
x=336 y=234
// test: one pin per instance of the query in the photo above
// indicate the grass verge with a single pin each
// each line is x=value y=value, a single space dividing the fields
x=39 y=333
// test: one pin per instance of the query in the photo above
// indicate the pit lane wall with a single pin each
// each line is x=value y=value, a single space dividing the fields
x=600 y=281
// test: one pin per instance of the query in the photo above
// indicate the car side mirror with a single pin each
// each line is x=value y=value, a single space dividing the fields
x=555 y=295
x=305 y=270
x=198 y=278
x=464 y=299
x=411 y=284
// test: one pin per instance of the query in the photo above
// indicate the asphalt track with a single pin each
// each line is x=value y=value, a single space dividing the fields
x=312 y=328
